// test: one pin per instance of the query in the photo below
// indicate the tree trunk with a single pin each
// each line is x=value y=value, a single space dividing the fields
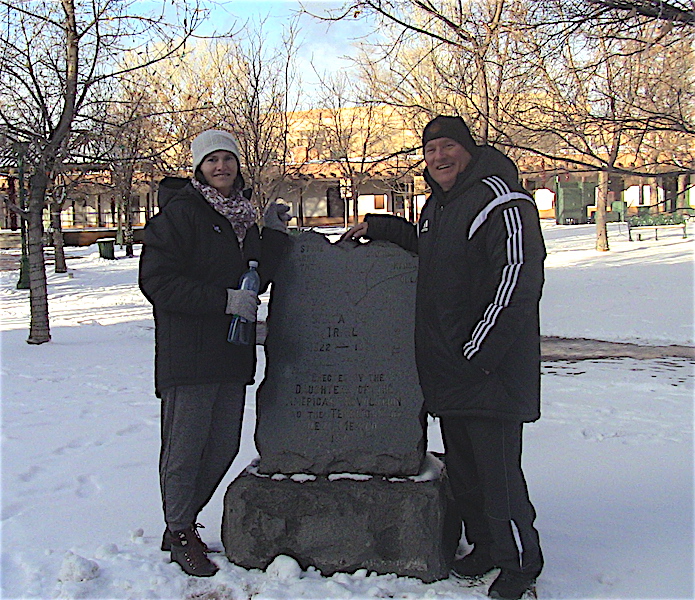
x=300 y=208
x=128 y=226
x=682 y=188
x=39 y=331
x=355 y=203
x=653 y=195
x=57 y=235
x=600 y=215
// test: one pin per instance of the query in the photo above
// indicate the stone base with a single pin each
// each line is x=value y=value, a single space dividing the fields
x=403 y=526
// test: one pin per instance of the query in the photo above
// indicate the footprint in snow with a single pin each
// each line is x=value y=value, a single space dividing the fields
x=30 y=474
x=71 y=445
x=129 y=430
x=86 y=486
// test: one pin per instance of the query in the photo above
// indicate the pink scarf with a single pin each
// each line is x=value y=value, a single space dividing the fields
x=239 y=211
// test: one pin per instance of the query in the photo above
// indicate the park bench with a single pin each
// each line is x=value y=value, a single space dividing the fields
x=642 y=228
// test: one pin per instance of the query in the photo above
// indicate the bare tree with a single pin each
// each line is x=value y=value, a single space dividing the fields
x=56 y=196
x=609 y=104
x=234 y=82
x=168 y=104
x=55 y=57
x=125 y=146
x=540 y=78
x=256 y=93
x=446 y=57
x=354 y=133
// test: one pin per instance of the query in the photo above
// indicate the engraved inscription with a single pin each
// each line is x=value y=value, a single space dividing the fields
x=340 y=389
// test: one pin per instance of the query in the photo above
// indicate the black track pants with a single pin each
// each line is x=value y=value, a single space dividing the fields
x=483 y=461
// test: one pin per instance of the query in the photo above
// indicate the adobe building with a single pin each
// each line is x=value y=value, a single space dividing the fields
x=334 y=176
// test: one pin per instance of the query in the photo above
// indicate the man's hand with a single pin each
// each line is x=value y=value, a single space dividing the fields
x=356 y=232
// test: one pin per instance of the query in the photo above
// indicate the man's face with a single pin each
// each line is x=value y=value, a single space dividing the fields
x=445 y=159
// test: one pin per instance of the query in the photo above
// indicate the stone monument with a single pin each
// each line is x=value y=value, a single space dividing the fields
x=343 y=481
x=340 y=393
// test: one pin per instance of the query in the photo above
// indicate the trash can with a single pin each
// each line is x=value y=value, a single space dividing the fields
x=573 y=198
x=106 y=248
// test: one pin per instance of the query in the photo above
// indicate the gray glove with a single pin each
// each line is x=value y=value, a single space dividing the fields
x=243 y=303
x=276 y=216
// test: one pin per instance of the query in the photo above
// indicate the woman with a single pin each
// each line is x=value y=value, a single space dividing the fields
x=194 y=253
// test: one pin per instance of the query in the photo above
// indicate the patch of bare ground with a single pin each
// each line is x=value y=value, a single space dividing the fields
x=557 y=348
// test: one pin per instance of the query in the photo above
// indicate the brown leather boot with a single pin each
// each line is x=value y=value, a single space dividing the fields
x=167 y=538
x=189 y=551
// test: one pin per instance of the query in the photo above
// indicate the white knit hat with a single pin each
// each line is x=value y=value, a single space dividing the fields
x=211 y=141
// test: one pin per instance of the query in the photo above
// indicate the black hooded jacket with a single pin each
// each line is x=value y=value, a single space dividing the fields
x=190 y=257
x=480 y=278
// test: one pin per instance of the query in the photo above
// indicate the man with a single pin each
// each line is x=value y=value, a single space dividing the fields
x=477 y=340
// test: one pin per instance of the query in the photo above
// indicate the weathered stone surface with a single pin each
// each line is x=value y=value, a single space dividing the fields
x=406 y=526
x=340 y=393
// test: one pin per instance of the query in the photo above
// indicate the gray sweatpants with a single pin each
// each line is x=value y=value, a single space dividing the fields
x=201 y=432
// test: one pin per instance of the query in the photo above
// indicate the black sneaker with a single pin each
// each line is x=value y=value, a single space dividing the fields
x=512 y=585
x=474 y=565
x=188 y=550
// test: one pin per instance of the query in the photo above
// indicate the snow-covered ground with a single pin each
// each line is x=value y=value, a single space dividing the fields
x=609 y=465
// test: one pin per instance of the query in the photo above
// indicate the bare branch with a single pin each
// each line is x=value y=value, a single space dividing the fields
x=675 y=12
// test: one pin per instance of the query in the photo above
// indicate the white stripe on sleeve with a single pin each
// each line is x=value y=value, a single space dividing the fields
x=502 y=194
x=507 y=284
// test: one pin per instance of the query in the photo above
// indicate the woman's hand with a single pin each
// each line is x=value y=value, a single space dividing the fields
x=277 y=216
x=243 y=303
x=356 y=232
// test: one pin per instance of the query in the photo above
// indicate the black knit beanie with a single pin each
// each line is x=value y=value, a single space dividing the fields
x=449 y=127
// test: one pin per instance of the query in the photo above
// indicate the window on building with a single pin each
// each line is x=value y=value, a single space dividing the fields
x=379 y=201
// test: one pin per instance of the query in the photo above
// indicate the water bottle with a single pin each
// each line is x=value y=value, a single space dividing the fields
x=241 y=331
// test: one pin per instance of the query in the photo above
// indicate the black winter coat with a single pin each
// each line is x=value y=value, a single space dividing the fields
x=480 y=277
x=190 y=257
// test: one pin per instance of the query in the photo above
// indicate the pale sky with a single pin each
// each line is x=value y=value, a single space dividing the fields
x=322 y=43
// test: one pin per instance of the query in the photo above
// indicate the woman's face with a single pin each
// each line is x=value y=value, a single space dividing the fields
x=220 y=170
